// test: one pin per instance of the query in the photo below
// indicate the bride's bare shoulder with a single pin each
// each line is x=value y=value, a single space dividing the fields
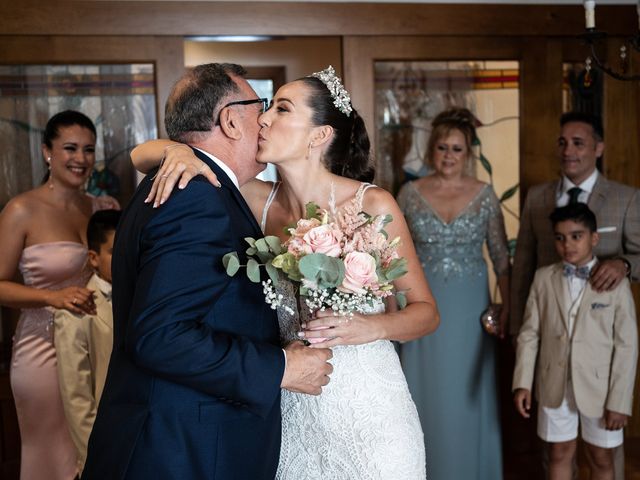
x=256 y=192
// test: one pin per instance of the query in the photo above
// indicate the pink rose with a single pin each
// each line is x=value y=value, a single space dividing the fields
x=323 y=239
x=360 y=272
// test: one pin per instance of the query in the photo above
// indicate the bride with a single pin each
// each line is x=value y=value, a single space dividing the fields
x=364 y=425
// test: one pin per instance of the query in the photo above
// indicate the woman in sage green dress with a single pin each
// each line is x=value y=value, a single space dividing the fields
x=452 y=373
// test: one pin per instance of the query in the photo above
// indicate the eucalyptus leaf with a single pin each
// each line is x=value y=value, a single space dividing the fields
x=251 y=251
x=264 y=256
x=251 y=241
x=253 y=270
x=261 y=245
x=231 y=263
x=401 y=299
x=397 y=268
x=327 y=272
x=274 y=244
x=272 y=272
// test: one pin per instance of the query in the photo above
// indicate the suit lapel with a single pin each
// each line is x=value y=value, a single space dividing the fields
x=550 y=198
x=598 y=195
x=561 y=293
x=227 y=183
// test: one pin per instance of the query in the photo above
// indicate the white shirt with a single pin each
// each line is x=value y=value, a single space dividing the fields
x=576 y=285
x=223 y=166
x=562 y=197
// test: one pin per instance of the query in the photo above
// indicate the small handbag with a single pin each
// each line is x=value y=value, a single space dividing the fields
x=490 y=318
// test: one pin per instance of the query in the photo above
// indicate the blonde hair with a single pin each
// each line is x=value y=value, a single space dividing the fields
x=455 y=118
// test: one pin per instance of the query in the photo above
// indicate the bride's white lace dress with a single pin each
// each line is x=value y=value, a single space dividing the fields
x=364 y=425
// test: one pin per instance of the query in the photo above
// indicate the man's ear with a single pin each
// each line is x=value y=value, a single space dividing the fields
x=321 y=135
x=93 y=259
x=229 y=123
x=599 y=149
x=595 y=238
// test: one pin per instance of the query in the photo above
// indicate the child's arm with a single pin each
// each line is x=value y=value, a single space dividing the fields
x=625 y=352
x=522 y=399
x=615 y=420
x=528 y=341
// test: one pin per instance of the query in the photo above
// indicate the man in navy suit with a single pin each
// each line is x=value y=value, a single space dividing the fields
x=193 y=388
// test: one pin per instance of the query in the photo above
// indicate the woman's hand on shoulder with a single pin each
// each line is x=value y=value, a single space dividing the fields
x=179 y=166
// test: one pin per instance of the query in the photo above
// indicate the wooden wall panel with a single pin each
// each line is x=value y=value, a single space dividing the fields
x=622 y=156
x=541 y=107
x=299 y=18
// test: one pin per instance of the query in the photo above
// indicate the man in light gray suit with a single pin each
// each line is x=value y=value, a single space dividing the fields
x=617 y=209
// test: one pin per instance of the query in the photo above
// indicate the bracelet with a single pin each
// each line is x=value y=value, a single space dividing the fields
x=627 y=266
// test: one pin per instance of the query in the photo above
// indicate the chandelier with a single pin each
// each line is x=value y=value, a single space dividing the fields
x=594 y=38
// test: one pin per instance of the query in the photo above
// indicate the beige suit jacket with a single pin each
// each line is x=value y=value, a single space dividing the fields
x=83 y=348
x=600 y=353
x=617 y=210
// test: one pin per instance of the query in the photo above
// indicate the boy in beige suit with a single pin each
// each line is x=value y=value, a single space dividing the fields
x=583 y=346
x=83 y=343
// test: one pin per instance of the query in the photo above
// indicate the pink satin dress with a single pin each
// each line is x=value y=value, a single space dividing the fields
x=48 y=453
x=47 y=449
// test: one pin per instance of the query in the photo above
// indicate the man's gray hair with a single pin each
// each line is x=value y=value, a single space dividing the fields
x=195 y=100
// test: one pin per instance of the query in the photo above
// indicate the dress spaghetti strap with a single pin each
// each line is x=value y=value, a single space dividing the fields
x=265 y=210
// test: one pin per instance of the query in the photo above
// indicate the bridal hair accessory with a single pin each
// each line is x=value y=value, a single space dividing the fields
x=341 y=98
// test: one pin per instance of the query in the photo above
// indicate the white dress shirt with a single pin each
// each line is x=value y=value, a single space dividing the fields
x=562 y=197
x=223 y=166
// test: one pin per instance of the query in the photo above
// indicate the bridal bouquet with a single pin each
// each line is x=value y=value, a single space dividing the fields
x=342 y=260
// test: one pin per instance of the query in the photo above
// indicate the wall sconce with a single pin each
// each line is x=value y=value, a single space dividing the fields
x=594 y=38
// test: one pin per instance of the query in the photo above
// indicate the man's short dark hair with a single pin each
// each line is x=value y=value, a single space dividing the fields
x=100 y=224
x=196 y=97
x=575 y=212
x=593 y=120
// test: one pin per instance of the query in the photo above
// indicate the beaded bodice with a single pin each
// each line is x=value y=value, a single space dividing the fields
x=454 y=249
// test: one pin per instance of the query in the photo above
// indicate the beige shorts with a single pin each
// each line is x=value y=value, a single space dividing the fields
x=561 y=425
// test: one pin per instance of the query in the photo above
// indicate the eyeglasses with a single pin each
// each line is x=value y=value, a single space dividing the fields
x=264 y=101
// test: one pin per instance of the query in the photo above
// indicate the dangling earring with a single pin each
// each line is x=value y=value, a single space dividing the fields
x=50 y=182
x=308 y=155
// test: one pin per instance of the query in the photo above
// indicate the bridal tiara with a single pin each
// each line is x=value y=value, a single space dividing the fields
x=341 y=98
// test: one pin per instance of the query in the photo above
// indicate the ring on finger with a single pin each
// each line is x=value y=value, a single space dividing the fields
x=165 y=175
x=74 y=301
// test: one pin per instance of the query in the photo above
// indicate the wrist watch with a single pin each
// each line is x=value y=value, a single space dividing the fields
x=627 y=266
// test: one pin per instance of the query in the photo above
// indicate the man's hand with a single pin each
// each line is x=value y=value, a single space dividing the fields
x=307 y=369
x=615 y=420
x=606 y=275
x=522 y=399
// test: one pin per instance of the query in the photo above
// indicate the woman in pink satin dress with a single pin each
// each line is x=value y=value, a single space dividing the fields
x=43 y=234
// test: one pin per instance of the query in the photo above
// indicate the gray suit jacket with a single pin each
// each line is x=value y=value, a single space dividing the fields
x=601 y=349
x=617 y=209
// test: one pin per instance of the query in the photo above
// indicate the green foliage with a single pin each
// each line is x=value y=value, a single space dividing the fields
x=231 y=263
x=401 y=299
x=289 y=265
x=253 y=270
x=325 y=271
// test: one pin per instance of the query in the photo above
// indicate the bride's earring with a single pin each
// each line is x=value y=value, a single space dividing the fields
x=309 y=151
x=50 y=181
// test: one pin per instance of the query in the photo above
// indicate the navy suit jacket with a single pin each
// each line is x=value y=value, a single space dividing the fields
x=193 y=387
